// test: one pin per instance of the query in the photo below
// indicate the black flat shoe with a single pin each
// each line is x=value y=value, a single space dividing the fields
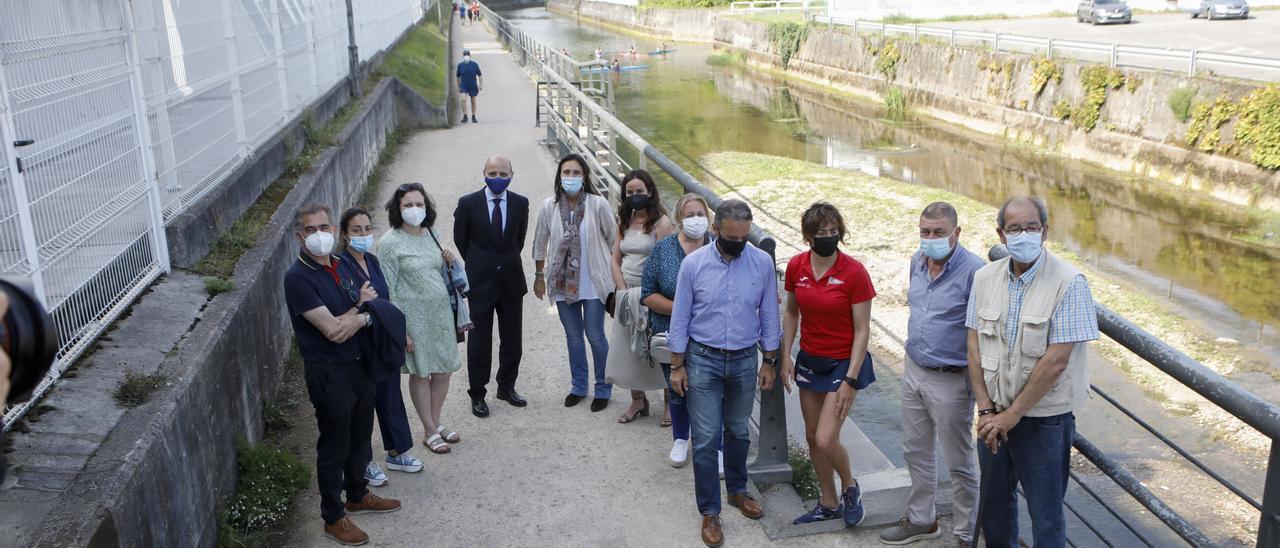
x=512 y=397
x=479 y=408
x=599 y=404
x=573 y=399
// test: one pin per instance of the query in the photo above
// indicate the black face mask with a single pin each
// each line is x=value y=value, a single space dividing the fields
x=638 y=201
x=826 y=245
x=730 y=247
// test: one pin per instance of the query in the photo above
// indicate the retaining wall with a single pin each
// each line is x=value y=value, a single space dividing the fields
x=687 y=25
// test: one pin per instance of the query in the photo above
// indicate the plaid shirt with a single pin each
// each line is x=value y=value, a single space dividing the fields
x=1074 y=320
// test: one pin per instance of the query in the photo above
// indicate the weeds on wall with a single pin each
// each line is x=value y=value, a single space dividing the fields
x=1045 y=71
x=1097 y=81
x=1259 y=126
x=1207 y=119
x=269 y=478
x=136 y=388
x=887 y=58
x=1181 y=101
x=787 y=37
x=1061 y=110
x=895 y=103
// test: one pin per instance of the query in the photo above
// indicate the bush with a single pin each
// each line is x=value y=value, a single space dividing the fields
x=787 y=37
x=1207 y=120
x=1062 y=109
x=1259 y=126
x=136 y=388
x=887 y=60
x=269 y=477
x=895 y=102
x=1046 y=70
x=217 y=286
x=1181 y=101
x=1096 y=80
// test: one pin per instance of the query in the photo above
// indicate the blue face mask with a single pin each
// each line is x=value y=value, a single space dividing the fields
x=497 y=185
x=1025 y=247
x=936 y=248
x=361 y=243
x=572 y=185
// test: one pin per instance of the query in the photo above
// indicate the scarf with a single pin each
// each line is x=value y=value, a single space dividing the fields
x=568 y=261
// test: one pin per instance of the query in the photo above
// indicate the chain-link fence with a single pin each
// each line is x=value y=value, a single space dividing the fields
x=116 y=115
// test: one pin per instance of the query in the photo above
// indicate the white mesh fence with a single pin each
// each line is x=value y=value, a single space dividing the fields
x=116 y=115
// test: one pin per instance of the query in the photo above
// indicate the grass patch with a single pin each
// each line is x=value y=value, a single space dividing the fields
x=218 y=286
x=136 y=388
x=269 y=477
x=420 y=60
x=803 y=478
x=895 y=104
x=1180 y=102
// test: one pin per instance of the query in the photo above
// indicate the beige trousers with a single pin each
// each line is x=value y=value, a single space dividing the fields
x=937 y=417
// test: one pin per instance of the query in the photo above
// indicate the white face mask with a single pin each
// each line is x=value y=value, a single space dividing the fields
x=695 y=227
x=413 y=215
x=466 y=58
x=320 y=243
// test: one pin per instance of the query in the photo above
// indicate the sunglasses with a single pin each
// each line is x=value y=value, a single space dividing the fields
x=351 y=290
x=411 y=186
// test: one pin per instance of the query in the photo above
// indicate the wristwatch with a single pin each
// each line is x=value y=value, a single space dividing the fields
x=770 y=360
x=852 y=381
x=368 y=319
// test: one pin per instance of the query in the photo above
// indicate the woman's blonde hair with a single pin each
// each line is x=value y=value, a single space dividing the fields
x=678 y=213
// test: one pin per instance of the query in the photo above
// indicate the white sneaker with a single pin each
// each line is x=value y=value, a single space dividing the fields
x=679 y=453
x=720 y=459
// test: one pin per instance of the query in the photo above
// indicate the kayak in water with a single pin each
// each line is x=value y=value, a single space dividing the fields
x=661 y=51
x=607 y=69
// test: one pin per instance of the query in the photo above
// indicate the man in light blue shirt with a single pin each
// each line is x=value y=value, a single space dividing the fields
x=726 y=305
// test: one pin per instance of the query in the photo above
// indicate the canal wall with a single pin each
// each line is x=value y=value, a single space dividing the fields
x=1134 y=130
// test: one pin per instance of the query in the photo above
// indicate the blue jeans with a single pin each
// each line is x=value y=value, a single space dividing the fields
x=680 y=412
x=585 y=315
x=1038 y=456
x=722 y=387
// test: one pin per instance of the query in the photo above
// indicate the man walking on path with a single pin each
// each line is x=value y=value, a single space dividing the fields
x=937 y=402
x=1029 y=317
x=470 y=82
x=323 y=297
x=489 y=229
x=726 y=305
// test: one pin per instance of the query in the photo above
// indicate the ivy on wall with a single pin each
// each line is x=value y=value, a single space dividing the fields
x=1096 y=80
x=1046 y=70
x=1207 y=119
x=1259 y=126
x=787 y=37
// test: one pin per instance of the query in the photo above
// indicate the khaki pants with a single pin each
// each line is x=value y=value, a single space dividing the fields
x=937 y=412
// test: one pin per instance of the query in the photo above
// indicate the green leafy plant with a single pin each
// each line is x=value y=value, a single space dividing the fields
x=1062 y=109
x=1180 y=102
x=787 y=37
x=1096 y=80
x=1259 y=126
x=1207 y=120
x=217 y=286
x=803 y=478
x=269 y=477
x=895 y=102
x=1045 y=71
x=1131 y=83
x=887 y=58
x=137 y=388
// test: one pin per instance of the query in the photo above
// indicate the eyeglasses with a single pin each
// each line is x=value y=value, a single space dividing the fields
x=1016 y=230
x=351 y=290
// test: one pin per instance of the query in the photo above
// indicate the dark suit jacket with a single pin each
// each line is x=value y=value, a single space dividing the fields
x=494 y=269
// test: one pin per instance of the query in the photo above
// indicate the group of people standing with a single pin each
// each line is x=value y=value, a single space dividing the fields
x=695 y=312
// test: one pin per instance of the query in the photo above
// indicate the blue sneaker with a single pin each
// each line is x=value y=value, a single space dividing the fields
x=853 y=512
x=374 y=475
x=819 y=513
x=404 y=462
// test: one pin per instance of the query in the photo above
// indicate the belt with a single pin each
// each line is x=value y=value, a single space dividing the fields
x=946 y=369
x=721 y=350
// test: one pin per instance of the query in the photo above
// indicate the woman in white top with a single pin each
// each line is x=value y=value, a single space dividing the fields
x=576 y=232
x=642 y=222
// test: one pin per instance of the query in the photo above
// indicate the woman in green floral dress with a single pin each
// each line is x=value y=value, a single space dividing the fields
x=412 y=259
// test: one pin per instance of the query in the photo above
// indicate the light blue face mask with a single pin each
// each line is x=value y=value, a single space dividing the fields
x=1025 y=247
x=361 y=243
x=936 y=248
x=572 y=185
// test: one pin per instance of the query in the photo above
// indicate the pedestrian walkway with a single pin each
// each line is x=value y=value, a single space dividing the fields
x=543 y=475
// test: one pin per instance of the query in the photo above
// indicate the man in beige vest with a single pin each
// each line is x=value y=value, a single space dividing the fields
x=1029 y=317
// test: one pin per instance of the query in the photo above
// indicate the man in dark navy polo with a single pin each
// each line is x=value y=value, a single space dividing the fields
x=323 y=301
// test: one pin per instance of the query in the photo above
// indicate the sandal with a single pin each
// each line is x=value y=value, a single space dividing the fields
x=448 y=435
x=665 y=422
x=437 y=445
x=642 y=412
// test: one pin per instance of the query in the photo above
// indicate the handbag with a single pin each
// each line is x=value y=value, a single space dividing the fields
x=819 y=366
x=453 y=293
x=658 y=350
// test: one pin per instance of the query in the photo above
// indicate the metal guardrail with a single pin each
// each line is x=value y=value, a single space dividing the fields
x=578 y=121
x=1189 y=60
x=776 y=6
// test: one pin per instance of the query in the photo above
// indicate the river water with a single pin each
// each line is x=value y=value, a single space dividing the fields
x=1178 y=244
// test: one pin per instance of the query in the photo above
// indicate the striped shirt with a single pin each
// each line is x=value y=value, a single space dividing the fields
x=1074 y=320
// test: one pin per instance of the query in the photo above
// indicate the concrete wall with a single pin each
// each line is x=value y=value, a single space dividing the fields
x=688 y=25
x=943 y=8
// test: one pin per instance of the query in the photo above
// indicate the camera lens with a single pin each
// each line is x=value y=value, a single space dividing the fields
x=27 y=334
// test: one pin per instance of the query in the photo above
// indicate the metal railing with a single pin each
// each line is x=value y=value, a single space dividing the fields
x=582 y=122
x=777 y=6
x=117 y=115
x=1190 y=61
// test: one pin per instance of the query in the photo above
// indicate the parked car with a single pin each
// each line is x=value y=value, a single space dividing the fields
x=1217 y=9
x=1104 y=11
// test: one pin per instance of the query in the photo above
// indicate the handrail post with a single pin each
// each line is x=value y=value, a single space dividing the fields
x=997 y=42
x=1115 y=55
x=1049 y=48
x=953 y=38
x=915 y=33
x=771 y=465
x=1268 y=526
x=1191 y=64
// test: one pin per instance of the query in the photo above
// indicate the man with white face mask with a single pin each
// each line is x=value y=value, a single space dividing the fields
x=1030 y=318
x=470 y=82
x=323 y=300
x=937 y=402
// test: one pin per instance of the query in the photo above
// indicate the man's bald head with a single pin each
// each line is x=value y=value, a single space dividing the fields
x=498 y=166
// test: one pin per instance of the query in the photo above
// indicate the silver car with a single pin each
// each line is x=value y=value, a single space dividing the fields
x=1104 y=11
x=1222 y=9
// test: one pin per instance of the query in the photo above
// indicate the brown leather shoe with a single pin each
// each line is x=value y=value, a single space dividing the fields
x=344 y=531
x=373 y=504
x=748 y=506
x=711 y=534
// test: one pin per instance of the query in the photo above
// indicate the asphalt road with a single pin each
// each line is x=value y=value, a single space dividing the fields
x=1258 y=36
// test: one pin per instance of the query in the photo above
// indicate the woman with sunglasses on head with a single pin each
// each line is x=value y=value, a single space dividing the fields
x=575 y=233
x=642 y=222
x=357 y=236
x=412 y=259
